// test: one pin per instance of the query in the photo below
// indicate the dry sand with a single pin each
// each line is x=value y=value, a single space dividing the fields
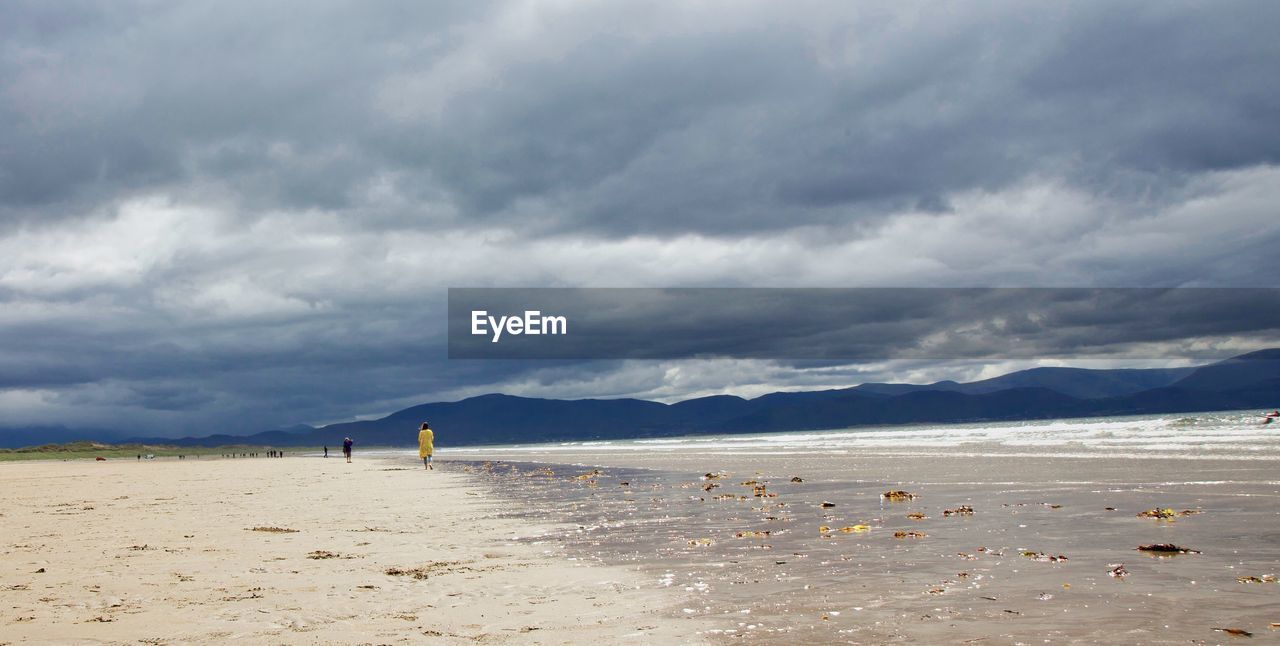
x=165 y=552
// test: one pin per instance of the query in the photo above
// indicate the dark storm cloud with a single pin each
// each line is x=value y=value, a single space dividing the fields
x=221 y=214
x=563 y=119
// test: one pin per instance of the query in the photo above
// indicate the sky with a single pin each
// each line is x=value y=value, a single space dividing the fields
x=238 y=216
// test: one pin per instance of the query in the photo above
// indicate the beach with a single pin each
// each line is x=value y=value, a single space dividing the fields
x=1011 y=533
x=295 y=551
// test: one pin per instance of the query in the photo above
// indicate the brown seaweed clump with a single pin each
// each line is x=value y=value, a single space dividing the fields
x=1044 y=558
x=897 y=495
x=1166 y=548
x=1266 y=578
x=1165 y=513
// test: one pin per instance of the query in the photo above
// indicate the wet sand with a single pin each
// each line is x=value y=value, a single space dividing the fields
x=377 y=552
x=759 y=568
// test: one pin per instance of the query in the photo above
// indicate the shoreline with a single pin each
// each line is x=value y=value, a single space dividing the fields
x=296 y=551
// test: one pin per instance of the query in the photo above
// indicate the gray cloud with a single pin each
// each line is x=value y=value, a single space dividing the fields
x=215 y=214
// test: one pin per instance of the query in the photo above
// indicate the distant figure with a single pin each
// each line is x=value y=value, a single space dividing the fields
x=426 y=445
x=346 y=448
x=139 y=457
x=326 y=451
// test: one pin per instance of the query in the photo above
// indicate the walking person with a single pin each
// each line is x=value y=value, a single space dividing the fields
x=426 y=445
x=326 y=451
x=346 y=448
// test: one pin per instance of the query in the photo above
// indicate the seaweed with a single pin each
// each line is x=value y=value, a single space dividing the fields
x=1166 y=548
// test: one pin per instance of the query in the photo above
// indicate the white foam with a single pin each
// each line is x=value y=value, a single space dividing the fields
x=1216 y=435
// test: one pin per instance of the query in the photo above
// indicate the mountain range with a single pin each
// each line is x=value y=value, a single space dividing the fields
x=1246 y=381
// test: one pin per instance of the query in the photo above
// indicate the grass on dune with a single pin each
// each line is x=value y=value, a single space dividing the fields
x=89 y=450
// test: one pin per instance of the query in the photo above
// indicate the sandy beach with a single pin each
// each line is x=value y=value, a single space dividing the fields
x=295 y=551
x=1015 y=539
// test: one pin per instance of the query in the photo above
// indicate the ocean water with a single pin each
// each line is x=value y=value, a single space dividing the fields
x=1217 y=435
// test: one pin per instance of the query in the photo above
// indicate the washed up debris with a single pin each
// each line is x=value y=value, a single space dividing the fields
x=962 y=510
x=1166 y=548
x=1051 y=505
x=274 y=530
x=916 y=515
x=825 y=530
x=827 y=505
x=1166 y=513
x=590 y=475
x=797 y=479
x=1043 y=558
x=322 y=554
x=434 y=567
x=1266 y=578
x=714 y=476
x=700 y=542
x=1108 y=509
x=1117 y=570
x=749 y=483
x=709 y=486
x=898 y=495
x=909 y=534
x=759 y=492
x=1235 y=632
x=754 y=533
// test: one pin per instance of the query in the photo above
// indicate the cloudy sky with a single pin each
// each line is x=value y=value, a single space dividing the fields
x=224 y=216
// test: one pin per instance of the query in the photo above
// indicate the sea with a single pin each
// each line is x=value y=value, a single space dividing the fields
x=1240 y=435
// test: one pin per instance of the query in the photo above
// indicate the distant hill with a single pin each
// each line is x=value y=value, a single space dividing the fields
x=1246 y=381
x=1076 y=382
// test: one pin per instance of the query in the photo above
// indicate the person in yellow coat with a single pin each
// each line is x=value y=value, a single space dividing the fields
x=426 y=445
